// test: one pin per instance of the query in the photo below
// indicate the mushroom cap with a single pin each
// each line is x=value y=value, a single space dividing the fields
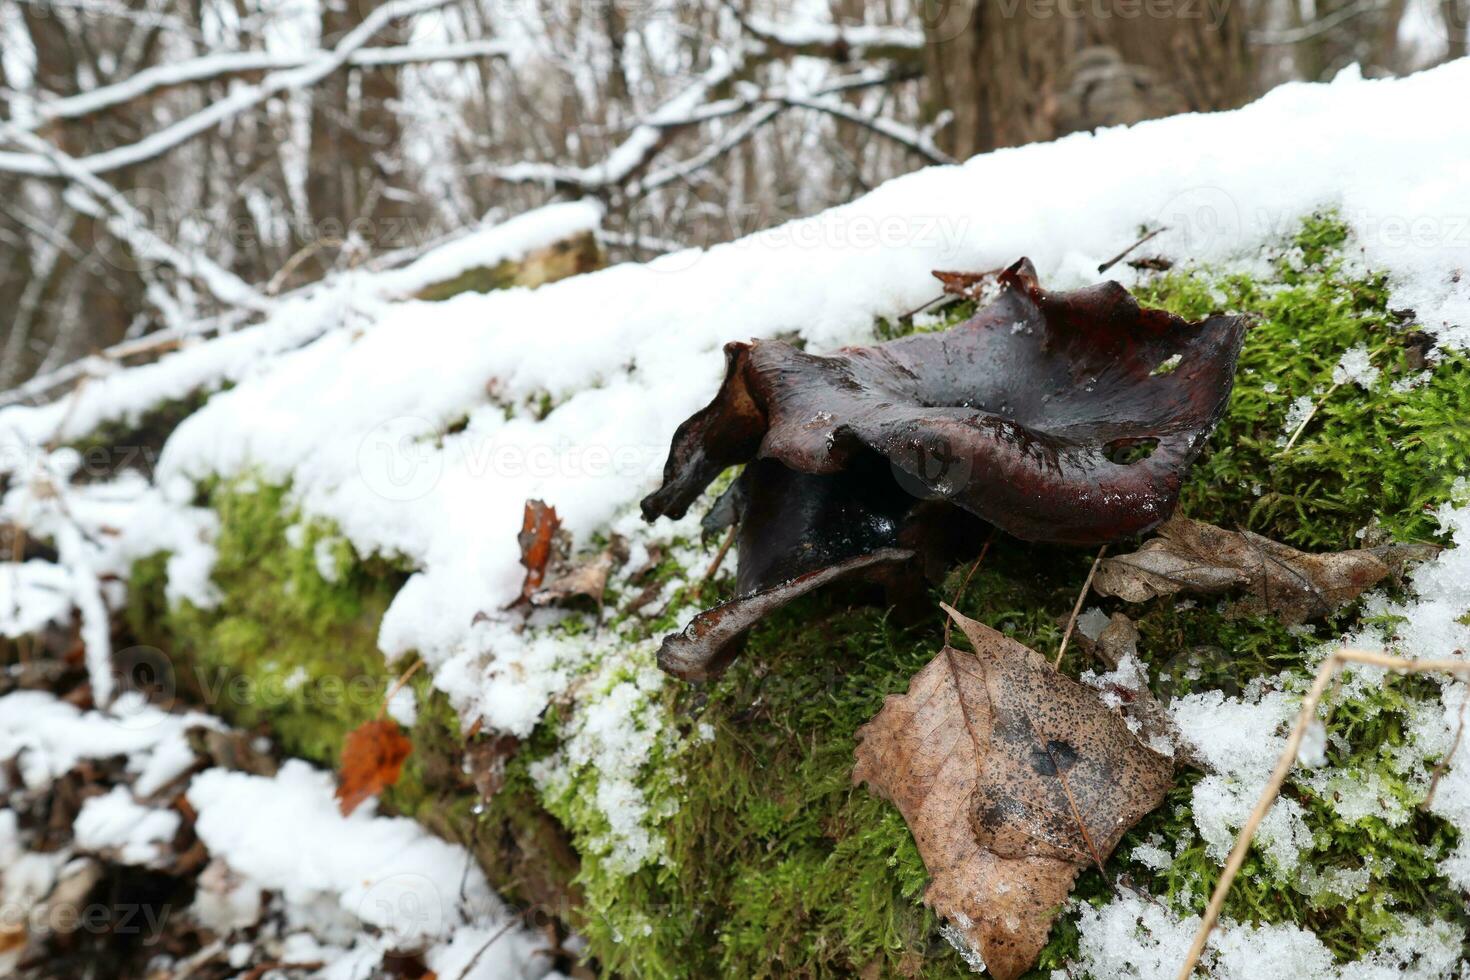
x=1069 y=418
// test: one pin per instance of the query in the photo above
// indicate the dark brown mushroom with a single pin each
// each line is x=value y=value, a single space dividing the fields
x=1068 y=418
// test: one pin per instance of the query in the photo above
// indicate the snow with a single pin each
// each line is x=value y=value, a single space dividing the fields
x=1240 y=739
x=1136 y=938
x=344 y=890
x=116 y=821
x=33 y=594
x=613 y=736
x=1356 y=367
x=489 y=246
x=403 y=706
x=412 y=890
x=285 y=834
x=46 y=738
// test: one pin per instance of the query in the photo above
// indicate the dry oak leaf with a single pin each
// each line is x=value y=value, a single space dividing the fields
x=1012 y=778
x=372 y=758
x=1195 y=557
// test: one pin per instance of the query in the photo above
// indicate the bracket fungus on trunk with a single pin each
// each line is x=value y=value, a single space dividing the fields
x=1068 y=418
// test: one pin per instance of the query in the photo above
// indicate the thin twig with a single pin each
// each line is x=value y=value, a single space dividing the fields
x=1308 y=712
x=1444 y=764
x=1312 y=412
x=924 y=306
x=397 y=686
x=481 y=951
x=1056 y=768
x=1306 y=420
x=1077 y=609
x=955 y=602
x=714 y=566
x=1124 y=254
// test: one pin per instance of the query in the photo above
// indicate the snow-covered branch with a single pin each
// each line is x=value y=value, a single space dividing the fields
x=864 y=41
x=917 y=140
x=231 y=63
x=634 y=153
x=39 y=164
x=91 y=195
x=872 y=77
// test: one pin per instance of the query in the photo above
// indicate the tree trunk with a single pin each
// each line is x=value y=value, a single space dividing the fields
x=352 y=182
x=1018 y=71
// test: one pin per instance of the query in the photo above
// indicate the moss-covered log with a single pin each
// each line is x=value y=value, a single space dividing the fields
x=765 y=860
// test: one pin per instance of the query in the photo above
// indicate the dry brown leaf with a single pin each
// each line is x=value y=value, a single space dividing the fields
x=588 y=580
x=1195 y=557
x=537 y=539
x=967 y=285
x=1012 y=778
x=486 y=761
x=372 y=758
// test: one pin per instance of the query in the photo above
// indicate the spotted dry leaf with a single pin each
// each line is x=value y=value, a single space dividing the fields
x=1012 y=778
x=1194 y=557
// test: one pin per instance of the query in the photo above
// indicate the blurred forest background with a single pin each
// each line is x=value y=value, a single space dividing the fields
x=172 y=166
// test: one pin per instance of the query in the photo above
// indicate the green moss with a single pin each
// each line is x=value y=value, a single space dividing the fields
x=290 y=650
x=1383 y=457
x=777 y=866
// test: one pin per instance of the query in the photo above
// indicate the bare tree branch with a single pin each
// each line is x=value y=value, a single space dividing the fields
x=40 y=165
x=92 y=196
x=919 y=141
x=629 y=157
x=858 y=42
x=1316 y=28
x=214 y=66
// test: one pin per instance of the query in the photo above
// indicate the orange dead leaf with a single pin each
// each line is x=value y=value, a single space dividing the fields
x=537 y=539
x=372 y=758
